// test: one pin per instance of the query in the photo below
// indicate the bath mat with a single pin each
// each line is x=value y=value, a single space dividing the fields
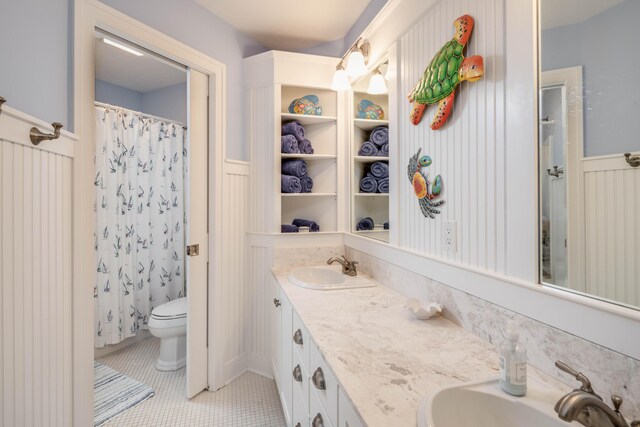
x=115 y=393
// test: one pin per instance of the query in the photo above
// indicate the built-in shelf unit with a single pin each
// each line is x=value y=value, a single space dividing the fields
x=276 y=79
x=373 y=205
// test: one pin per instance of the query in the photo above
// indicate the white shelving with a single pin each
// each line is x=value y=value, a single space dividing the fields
x=373 y=205
x=321 y=204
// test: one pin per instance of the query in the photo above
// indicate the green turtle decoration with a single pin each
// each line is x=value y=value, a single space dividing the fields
x=447 y=69
x=426 y=192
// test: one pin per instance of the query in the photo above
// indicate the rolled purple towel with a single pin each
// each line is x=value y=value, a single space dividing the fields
x=379 y=170
x=368 y=184
x=368 y=148
x=288 y=228
x=293 y=128
x=386 y=225
x=290 y=184
x=297 y=167
x=383 y=185
x=289 y=144
x=379 y=136
x=384 y=150
x=305 y=146
x=307 y=184
x=313 y=226
x=365 y=224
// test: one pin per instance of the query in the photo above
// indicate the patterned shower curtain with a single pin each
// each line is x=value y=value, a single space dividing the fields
x=141 y=165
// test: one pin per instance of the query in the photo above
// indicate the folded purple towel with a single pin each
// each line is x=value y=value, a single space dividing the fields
x=368 y=148
x=290 y=184
x=288 y=228
x=293 y=128
x=297 y=167
x=379 y=135
x=289 y=144
x=305 y=146
x=313 y=226
x=307 y=184
x=384 y=150
x=368 y=184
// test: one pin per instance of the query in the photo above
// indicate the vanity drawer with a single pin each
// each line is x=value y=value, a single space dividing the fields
x=317 y=415
x=346 y=414
x=324 y=385
x=300 y=412
x=301 y=340
x=299 y=372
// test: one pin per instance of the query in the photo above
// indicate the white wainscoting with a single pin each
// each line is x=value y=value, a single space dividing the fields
x=35 y=275
x=262 y=134
x=612 y=224
x=235 y=293
x=469 y=151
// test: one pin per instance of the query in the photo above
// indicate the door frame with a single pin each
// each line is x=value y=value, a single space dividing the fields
x=571 y=79
x=89 y=14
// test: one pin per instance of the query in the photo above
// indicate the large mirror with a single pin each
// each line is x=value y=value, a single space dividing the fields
x=589 y=117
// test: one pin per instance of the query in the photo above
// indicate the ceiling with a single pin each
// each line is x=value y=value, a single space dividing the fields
x=557 y=13
x=139 y=73
x=289 y=24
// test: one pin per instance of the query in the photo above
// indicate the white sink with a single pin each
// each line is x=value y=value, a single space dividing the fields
x=327 y=278
x=484 y=404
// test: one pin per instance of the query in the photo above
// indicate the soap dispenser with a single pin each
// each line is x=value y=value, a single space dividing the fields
x=513 y=362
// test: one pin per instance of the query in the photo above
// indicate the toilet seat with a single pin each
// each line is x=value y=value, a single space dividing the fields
x=169 y=315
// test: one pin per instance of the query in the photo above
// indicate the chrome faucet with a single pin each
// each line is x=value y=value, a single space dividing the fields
x=586 y=407
x=348 y=267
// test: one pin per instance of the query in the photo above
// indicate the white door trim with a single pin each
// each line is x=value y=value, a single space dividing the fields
x=571 y=79
x=89 y=14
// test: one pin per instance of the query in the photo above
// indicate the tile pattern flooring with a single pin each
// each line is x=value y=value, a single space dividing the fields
x=249 y=401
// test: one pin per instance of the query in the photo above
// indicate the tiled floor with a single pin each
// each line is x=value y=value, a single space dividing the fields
x=251 y=400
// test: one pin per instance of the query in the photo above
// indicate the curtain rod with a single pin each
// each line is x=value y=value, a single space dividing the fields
x=140 y=113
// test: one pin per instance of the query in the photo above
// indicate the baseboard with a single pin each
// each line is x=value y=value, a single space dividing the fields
x=260 y=364
x=235 y=367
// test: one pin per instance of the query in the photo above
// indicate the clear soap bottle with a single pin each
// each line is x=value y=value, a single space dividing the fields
x=513 y=363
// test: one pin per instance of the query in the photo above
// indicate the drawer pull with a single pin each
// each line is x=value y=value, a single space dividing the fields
x=318 y=380
x=297 y=374
x=297 y=337
x=317 y=421
x=276 y=302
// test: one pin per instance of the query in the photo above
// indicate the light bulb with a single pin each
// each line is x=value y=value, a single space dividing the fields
x=355 y=64
x=340 y=80
x=376 y=84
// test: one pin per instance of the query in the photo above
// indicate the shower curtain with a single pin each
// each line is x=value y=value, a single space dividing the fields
x=141 y=166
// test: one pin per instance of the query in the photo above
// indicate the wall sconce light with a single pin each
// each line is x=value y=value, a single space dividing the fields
x=376 y=83
x=356 y=59
x=340 y=79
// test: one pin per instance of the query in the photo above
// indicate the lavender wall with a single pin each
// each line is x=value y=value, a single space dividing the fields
x=606 y=47
x=118 y=95
x=35 y=74
x=169 y=102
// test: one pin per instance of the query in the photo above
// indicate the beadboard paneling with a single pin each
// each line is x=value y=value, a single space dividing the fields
x=35 y=279
x=469 y=151
x=259 y=327
x=262 y=134
x=612 y=221
x=234 y=264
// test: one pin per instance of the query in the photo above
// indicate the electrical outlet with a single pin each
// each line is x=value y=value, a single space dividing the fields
x=450 y=236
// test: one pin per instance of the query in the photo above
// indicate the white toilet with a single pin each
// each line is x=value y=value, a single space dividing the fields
x=169 y=323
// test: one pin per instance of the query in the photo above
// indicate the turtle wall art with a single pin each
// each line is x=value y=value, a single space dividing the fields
x=447 y=69
x=426 y=192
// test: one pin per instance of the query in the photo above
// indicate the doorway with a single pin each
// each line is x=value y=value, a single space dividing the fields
x=204 y=134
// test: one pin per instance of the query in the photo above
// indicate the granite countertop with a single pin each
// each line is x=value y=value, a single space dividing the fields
x=385 y=360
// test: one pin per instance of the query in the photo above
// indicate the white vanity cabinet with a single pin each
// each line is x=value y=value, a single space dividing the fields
x=309 y=392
